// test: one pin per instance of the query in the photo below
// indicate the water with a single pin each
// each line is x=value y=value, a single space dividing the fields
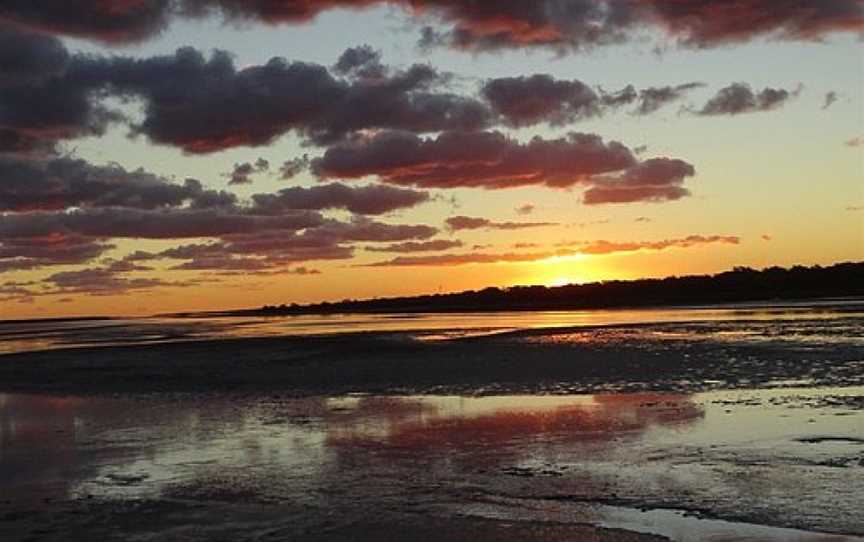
x=835 y=318
x=749 y=426
x=774 y=464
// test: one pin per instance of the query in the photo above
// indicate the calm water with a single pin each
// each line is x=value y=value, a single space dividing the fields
x=754 y=464
x=834 y=318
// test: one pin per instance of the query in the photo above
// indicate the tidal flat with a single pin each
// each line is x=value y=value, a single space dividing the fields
x=741 y=428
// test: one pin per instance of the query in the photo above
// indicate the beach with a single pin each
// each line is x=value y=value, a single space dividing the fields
x=744 y=424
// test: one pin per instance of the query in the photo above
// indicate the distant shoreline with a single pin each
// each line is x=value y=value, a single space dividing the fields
x=740 y=285
x=748 y=304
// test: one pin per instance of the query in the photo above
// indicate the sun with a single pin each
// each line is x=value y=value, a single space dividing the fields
x=562 y=281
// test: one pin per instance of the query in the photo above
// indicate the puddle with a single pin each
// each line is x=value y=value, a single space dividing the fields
x=751 y=463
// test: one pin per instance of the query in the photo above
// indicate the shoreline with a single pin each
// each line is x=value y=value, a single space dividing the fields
x=622 y=357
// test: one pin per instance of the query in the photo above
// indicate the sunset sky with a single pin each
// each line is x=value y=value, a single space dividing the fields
x=167 y=155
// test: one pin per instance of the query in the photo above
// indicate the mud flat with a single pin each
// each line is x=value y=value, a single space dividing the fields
x=764 y=464
x=684 y=431
x=682 y=357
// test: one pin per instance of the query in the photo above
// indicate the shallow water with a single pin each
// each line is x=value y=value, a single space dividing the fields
x=737 y=465
x=812 y=321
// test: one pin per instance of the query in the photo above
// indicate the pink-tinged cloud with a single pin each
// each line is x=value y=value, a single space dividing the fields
x=470 y=24
x=490 y=160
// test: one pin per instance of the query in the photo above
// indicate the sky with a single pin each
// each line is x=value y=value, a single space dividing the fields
x=181 y=155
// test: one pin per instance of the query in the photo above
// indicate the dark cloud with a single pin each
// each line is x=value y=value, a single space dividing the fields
x=39 y=104
x=173 y=223
x=469 y=24
x=707 y=23
x=653 y=98
x=29 y=58
x=204 y=104
x=457 y=223
x=270 y=250
x=830 y=98
x=656 y=179
x=291 y=168
x=363 y=200
x=110 y=21
x=414 y=246
x=855 y=142
x=524 y=101
x=61 y=183
x=25 y=252
x=740 y=98
x=488 y=160
x=242 y=172
x=104 y=282
x=363 y=62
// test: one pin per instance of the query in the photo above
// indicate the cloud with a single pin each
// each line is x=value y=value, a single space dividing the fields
x=526 y=209
x=458 y=223
x=242 y=172
x=449 y=260
x=592 y=248
x=653 y=98
x=830 y=98
x=26 y=252
x=472 y=25
x=63 y=182
x=29 y=58
x=524 y=101
x=99 y=282
x=490 y=160
x=740 y=98
x=262 y=250
x=413 y=246
x=291 y=168
x=654 y=180
x=855 y=142
x=39 y=104
x=203 y=105
x=108 y=21
x=363 y=200
x=131 y=223
x=610 y=247
x=362 y=62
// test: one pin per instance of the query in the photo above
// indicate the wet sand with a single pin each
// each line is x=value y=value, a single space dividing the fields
x=684 y=431
x=780 y=464
x=660 y=357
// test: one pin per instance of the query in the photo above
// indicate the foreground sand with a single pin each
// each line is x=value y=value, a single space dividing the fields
x=611 y=358
x=387 y=436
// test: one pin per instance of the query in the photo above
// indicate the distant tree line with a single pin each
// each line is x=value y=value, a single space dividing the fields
x=741 y=284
